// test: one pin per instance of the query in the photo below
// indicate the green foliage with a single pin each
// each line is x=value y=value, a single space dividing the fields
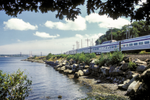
x=15 y=86
x=81 y=57
x=117 y=57
x=101 y=60
x=132 y=66
x=34 y=57
x=49 y=56
x=110 y=59
x=139 y=28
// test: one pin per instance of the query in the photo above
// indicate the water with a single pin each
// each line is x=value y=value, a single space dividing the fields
x=46 y=82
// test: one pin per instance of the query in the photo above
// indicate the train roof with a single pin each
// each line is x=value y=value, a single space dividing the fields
x=137 y=38
x=110 y=41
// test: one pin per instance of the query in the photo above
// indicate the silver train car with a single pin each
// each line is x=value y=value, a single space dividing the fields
x=132 y=44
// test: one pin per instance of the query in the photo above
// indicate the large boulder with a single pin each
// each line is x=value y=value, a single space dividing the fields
x=80 y=67
x=104 y=70
x=67 y=71
x=112 y=69
x=145 y=76
x=133 y=87
x=62 y=69
x=75 y=66
x=86 y=71
x=129 y=74
x=141 y=68
x=124 y=66
x=139 y=62
x=86 y=66
x=95 y=68
x=79 y=73
x=117 y=71
x=126 y=84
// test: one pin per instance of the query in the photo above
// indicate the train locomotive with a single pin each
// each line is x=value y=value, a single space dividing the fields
x=127 y=45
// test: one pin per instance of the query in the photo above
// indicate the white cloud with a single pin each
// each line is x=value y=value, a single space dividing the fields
x=46 y=46
x=105 y=22
x=78 y=24
x=18 y=24
x=78 y=35
x=18 y=40
x=45 y=35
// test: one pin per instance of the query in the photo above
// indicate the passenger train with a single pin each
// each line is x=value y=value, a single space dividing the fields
x=132 y=44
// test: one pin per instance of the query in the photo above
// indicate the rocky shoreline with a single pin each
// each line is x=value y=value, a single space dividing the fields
x=114 y=81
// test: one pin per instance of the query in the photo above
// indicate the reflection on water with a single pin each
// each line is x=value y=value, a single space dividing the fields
x=46 y=82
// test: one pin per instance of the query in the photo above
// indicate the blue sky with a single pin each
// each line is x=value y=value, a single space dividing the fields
x=44 y=33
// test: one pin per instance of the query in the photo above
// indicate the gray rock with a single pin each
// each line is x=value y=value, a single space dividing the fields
x=117 y=71
x=124 y=66
x=105 y=70
x=123 y=62
x=141 y=68
x=86 y=71
x=67 y=71
x=86 y=66
x=126 y=84
x=95 y=68
x=111 y=69
x=138 y=61
x=129 y=74
x=75 y=66
x=133 y=87
x=79 y=73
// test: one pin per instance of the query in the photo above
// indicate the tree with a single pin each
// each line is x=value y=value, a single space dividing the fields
x=15 y=86
x=139 y=28
x=69 y=8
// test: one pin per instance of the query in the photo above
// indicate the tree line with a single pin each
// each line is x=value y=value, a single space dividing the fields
x=139 y=28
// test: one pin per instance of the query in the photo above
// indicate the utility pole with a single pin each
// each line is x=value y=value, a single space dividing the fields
x=77 y=44
x=111 y=33
x=87 y=41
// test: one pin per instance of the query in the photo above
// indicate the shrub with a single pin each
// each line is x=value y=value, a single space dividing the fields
x=49 y=56
x=14 y=86
x=101 y=60
x=114 y=58
x=108 y=60
x=132 y=66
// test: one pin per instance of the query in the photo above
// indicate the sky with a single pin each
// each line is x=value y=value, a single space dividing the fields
x=43 y=32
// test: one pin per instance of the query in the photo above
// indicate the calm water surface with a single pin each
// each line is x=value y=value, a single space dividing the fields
x=46 y=82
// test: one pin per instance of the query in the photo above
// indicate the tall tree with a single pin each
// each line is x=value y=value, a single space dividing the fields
x=70 y=9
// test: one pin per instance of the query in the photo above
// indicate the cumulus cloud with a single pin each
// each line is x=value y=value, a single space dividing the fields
x=18 y=24
x=45 y=35
x=79 y=36
x=105 y=22
x=78 y=24
x=54 y=46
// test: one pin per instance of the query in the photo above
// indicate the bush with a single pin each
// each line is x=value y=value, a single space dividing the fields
x=114 y=58
x=49 y=56
x=132 y=66
x=101 y=60
x=14 y=86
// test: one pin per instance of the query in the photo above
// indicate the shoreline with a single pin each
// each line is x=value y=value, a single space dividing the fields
x=98 y=79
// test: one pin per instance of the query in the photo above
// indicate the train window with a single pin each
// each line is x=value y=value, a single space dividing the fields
x=140 y=43
x=146 y=42
x=127 y=45
x=130 y=44
x=135 y=43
